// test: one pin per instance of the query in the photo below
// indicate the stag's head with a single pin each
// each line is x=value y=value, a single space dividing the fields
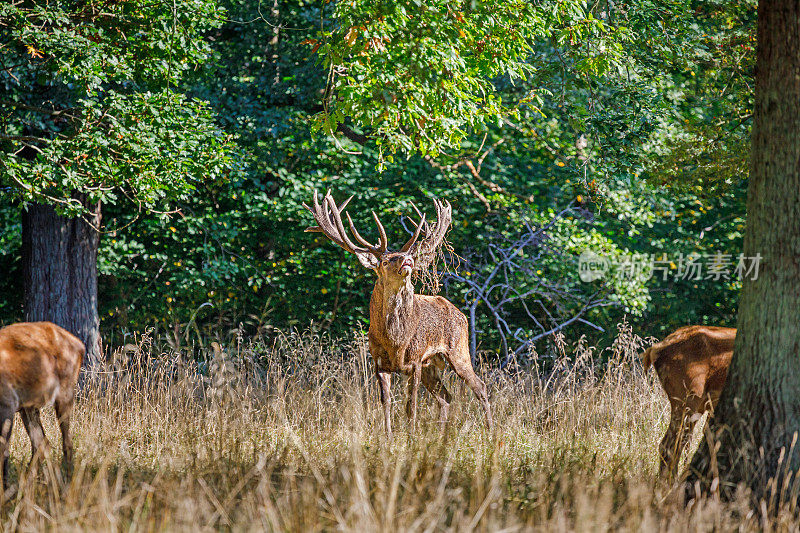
x=394 y=267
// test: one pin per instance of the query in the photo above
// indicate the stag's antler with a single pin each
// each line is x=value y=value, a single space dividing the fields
x=425 y=250
x=329 y=222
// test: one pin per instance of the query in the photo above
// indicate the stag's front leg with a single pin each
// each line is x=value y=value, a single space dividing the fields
x=413 y=393
x=385 y=386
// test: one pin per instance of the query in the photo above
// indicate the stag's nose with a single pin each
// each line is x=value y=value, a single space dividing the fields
x=408 y=265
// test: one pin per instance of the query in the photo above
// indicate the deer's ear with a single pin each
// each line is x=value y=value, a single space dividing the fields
x=367 y=260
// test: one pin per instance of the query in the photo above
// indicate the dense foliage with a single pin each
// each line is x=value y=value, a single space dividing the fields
x=227 y=115
x=89 y=104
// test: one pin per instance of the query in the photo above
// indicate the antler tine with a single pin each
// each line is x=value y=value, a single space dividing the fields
x=425 y=248
x=374 y=249
x=414 y=207
x=316 y=204
x=344 y=204
x=420 y=215
x=410 y=242
x=328 y=216
x=384 y=241
x=443 y=216
x=336 y=218
x=314 y=212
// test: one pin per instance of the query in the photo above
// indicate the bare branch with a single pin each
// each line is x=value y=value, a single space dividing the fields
x=502 y=281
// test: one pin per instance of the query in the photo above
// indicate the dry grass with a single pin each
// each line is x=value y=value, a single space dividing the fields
x=289 y=437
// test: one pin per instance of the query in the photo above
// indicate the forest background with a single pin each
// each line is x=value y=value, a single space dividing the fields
x=619 y=127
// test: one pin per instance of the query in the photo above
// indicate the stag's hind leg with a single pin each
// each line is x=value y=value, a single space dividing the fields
x=689 y=422
x=33 y=425
x=462 y=365
x=433 y=383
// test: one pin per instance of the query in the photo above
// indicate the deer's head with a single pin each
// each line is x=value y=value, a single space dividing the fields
x=393 y=267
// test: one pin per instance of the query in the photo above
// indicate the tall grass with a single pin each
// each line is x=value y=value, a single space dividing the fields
x=288 y=436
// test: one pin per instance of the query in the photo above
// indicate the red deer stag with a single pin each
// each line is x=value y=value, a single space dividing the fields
x=408 y=333
x=692 y=364
x=39 y=366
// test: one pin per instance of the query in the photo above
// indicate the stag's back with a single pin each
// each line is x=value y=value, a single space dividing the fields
x=692 y=363
x=37 y=360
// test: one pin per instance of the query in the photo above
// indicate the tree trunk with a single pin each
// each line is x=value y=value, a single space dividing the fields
x=757 y=420
x=59 y=263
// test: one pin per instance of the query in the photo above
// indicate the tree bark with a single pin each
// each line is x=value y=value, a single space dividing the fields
x=757 y=420
x=59 y=263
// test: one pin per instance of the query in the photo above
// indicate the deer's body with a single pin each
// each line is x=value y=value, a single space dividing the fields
x=411 y=334
x=692 y=366
x=419 y=335
x=407 y=327
x=39 y=366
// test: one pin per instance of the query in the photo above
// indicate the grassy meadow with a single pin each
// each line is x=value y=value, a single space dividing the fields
x=288 y=436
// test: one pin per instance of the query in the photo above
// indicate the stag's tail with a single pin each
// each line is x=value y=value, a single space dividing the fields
x=649 y=357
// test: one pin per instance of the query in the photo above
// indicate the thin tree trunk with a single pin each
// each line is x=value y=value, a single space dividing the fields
x=273 y=43
x=758 y=417
x=59 y=263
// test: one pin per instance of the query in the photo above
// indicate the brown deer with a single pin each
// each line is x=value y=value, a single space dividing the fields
x=39 y=366
x=408 y=333
x=692 y=365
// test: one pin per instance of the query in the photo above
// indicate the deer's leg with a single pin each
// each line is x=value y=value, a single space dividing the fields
x=6 y=426
x=669 y=449
x=463 y=367
x=33 y=424
x=433 y=383
x=689 y=422
x=385 y=386
x=409 y=394
x=413 y=393
x=63 y=413
x=692 y=412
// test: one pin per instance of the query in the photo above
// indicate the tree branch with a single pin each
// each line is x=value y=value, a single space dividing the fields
x=358 y=138
x=523 y=307
x=22 y=138
x=42 y=110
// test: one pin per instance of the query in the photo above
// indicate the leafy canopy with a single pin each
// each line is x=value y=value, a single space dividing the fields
x=419 y=76
x=89 y=102
x=626 y=115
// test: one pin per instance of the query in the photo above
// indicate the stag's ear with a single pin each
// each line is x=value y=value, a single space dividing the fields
x=367 y=260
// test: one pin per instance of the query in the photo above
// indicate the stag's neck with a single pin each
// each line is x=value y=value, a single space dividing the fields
x=394 y=306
